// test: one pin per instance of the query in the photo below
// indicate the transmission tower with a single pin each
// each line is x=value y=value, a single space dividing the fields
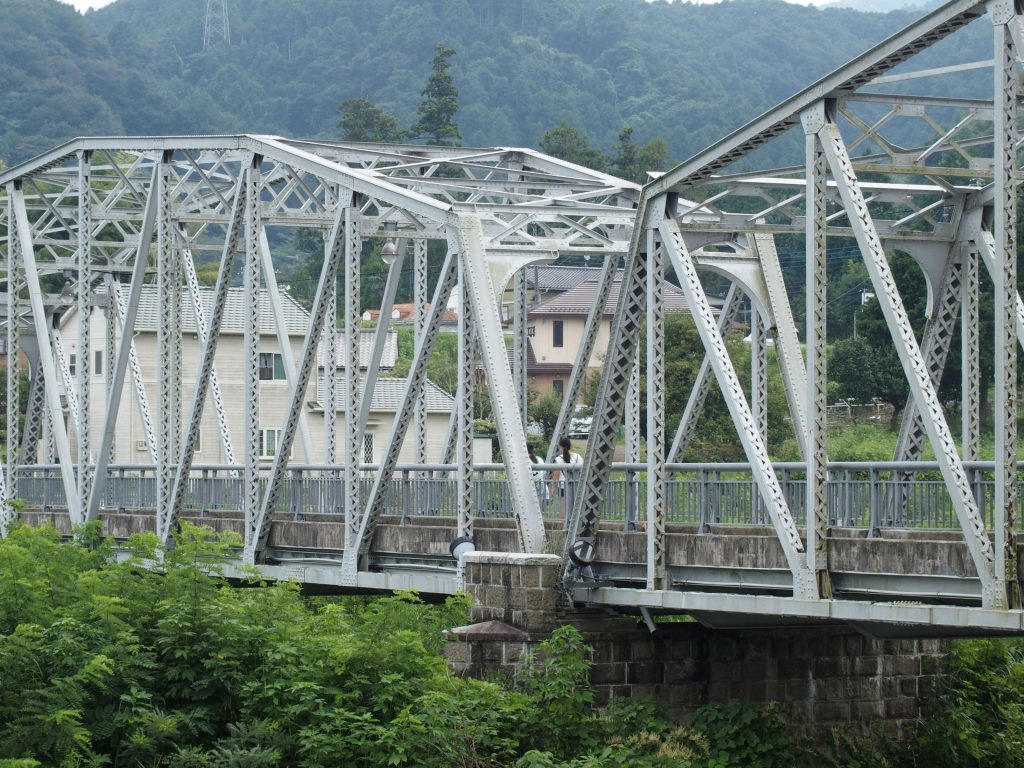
x=217 y=30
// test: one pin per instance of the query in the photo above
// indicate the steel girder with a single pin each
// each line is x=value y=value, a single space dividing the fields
x=657 y=559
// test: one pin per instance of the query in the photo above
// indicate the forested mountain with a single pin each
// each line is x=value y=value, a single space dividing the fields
x=687 y=73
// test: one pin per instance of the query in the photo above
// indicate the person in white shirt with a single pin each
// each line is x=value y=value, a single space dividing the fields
x=570 y=457
x=538 y=477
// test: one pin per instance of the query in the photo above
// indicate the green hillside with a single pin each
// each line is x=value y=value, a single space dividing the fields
x=687 y=73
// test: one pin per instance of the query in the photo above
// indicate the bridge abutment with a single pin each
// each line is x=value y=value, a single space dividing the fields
x=816 y=676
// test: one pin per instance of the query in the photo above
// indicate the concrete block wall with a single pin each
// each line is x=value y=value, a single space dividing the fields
x=817 y=676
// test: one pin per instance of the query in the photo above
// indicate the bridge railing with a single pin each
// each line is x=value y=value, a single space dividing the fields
x=861 y=495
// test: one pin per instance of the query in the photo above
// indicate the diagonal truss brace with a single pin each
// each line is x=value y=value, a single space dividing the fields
x=581 y=525
x=23 y=231
x=914 y=366
x=804 y=584
x=203 y=334
x=938 y=335
x=283 y=342
x=99 y=479
x=413 y=389
x=209 y=335
x=117 y=306
x=328 y=277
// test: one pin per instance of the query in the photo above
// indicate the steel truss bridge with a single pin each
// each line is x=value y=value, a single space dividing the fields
x=105 y=216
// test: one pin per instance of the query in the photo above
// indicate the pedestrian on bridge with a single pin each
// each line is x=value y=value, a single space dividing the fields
x=564 y=482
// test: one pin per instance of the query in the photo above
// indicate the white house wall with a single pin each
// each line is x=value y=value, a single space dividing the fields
x=130 y=441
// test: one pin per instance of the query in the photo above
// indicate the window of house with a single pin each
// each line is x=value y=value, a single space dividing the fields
x=72 y=360
x=368 y=449
x=557 y=333
x=271 y=366
x=270 y=441
x=558 y=387
x=97 y=367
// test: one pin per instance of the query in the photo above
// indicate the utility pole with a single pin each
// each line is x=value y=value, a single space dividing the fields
x=217 y=31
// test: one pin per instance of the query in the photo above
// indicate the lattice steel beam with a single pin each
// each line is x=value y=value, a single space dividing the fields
x=353 y=446
x=816 y=451
x=1004 y=288
x=464 y=398
x=84 y=306
x=420 y=312
x=253 y=514
x=657 y=556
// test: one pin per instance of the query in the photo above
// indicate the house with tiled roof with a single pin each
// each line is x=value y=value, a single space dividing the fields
x=130 y=443
x=555 y=331
x=544 y=282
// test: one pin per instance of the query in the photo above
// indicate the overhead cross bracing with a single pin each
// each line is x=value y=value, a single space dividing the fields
x=932 y=176
x=91 y=223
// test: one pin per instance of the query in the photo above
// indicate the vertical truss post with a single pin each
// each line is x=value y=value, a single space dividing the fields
x=168 y=340
x=519 y=341
x=22 y=230
x=914 y=366
x=657 y=565
x=335 y=255
x=413 y=391
x=353 y=449
x=330 y=372
x=15 y=287
x=420 y=256
x=804 y=585
x=817 y=352
x=702 y=383
x=283 y=340
x=464 y=394
x=251 y=359
x=578 y=377
x=209 y=336
x=84 y=254
x=109 y=351
x=758 y=390
x=970 y=377
x=787 y=343
x=33 y=418
x=116 y=385
x=633 y=414
x=468 y=234
x=1004 y=286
